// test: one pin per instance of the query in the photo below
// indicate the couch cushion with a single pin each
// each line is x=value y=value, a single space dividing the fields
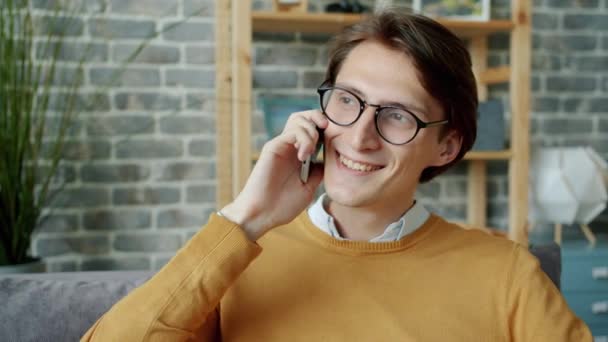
x=550 y=258
x=59 y=307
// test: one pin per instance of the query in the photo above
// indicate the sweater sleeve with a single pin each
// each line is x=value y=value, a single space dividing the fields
x=537 y=310
x=180 y=302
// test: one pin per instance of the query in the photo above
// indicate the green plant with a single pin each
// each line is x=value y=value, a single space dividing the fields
x=31 y=139
x=32 y=131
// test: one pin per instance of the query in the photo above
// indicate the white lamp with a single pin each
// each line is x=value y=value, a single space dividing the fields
x=567 y=185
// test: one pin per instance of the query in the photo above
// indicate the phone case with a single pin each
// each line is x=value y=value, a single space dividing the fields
x=307 y=164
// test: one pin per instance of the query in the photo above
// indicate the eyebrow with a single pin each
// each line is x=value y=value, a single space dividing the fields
x=404 y=106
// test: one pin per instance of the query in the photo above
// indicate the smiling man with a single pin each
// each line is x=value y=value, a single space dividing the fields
x=365 y=262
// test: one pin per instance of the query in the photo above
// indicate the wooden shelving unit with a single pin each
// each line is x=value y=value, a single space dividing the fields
x=235 y=24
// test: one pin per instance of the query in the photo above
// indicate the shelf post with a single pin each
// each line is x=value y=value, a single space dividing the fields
x=223 y=104
x=241 y=93
x=477 y=178
x=520 y=118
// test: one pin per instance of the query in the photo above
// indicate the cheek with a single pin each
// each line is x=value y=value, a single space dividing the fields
x=412 y=157
x=330 y=133
x=424 y=151
x=332 y=130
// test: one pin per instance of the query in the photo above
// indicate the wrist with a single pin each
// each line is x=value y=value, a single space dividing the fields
x=244 y=218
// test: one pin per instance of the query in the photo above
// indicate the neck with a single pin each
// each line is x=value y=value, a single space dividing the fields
x=365 y=223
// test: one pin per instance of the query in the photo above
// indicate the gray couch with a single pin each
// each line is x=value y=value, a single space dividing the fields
x=61 y=307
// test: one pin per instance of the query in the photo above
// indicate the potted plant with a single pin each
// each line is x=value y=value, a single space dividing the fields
x=31 y=142
x=32 y=135
x=32 y=132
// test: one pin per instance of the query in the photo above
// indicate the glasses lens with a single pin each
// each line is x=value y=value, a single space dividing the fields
x=396 y=125
x=341 y=106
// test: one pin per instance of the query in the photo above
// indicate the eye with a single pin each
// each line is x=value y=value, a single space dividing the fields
x=400 y=117
x=397 y=116
x=345 y=98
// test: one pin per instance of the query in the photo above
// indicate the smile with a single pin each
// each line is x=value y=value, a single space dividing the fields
x=357 y=166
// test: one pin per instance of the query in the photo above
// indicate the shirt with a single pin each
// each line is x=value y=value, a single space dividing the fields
x=408 y=223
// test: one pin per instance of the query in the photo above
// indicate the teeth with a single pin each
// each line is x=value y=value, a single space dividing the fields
x=353 y=165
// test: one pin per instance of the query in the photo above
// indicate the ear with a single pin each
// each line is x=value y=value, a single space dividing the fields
x=448 y=148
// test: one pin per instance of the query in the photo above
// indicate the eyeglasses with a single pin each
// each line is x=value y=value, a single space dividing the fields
x=395 y=125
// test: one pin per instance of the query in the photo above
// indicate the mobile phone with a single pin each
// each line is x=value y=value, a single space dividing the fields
x=307 y=164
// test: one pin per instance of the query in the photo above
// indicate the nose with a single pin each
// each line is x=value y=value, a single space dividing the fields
x=363 y=134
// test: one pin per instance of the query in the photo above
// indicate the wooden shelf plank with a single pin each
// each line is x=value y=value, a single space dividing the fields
x=473 y=155
x=466 y=28
x=267 y=21
x=302 y=22
x=495 y=75
x=488 y=155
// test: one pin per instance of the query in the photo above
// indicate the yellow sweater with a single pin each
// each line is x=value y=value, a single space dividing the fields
x=441 y=283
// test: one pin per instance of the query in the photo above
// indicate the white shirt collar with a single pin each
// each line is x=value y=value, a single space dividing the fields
x=408 y=223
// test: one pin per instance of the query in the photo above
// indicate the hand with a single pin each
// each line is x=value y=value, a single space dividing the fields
x=274 y=194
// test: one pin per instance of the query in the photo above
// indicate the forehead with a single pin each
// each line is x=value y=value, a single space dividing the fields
x=384 y=74
x=378 y=63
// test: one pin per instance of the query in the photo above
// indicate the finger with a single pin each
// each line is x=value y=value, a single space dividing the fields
x=306 y=135
x=315 y=178
x=319 y=119
x=296 y=138
x=308 y=125
x=303 y=121
x=282 y=145
x=305 y=141
x=315 y=115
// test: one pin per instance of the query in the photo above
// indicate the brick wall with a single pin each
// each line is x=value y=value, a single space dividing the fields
x=141 y=166
x=141 y=170
x=570 y=77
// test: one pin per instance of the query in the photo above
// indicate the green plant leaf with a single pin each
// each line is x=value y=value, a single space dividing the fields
x=31 y=154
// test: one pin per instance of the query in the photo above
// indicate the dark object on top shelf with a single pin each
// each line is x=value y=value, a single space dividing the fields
x=346 y=6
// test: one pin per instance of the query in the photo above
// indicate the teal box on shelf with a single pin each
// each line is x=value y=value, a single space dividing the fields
x=490 y=126
x=277 y=108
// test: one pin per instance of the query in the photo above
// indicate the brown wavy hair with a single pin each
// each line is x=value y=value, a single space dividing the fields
x=441 y=58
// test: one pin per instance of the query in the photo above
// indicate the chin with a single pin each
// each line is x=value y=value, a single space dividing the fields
x=349 y=191
x=348 y=197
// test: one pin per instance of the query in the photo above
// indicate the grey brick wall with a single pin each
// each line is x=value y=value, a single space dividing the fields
x=141 y=167
x=570 y=62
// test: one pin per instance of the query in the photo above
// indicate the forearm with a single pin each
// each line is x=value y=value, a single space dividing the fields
x=174 y=303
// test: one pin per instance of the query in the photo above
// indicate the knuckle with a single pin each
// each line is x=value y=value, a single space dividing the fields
x=293 y=119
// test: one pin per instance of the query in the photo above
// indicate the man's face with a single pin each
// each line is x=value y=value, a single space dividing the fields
x=362 y=169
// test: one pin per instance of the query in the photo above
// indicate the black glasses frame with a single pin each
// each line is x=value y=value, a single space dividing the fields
x=364 y=104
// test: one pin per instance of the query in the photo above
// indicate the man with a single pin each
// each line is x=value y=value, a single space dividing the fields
x=366 y=262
